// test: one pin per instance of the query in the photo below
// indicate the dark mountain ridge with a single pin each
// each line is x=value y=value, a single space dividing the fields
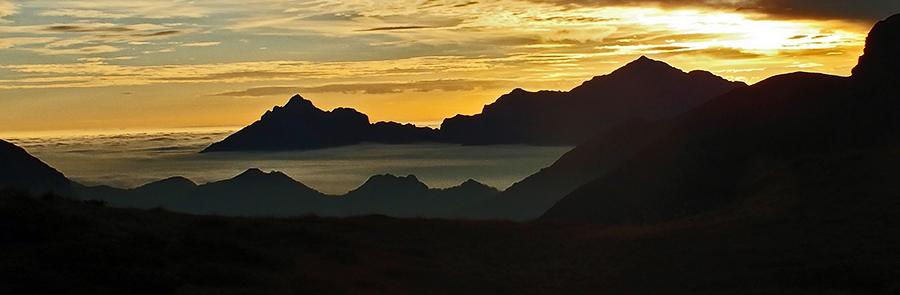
x=22 y=171
x=250 y=193
x=706 y=161
x=299 y=125
x=258 y=193
x=643 y=89
x=532 y=196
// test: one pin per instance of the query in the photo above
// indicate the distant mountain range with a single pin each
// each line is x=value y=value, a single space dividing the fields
x=299 y=125
x=258 y=193
x=251 y=193
x=757 y=144
x=643 y=89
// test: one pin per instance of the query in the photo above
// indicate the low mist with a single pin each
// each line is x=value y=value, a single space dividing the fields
x=130 y=160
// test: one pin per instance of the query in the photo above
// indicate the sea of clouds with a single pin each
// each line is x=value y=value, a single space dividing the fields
x=132 y=159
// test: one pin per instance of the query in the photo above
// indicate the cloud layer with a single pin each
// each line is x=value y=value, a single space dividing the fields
x=866 y=11
x=449 y=85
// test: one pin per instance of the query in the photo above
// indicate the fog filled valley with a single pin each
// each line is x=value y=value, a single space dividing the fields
x=131 y=160
x=678 y=183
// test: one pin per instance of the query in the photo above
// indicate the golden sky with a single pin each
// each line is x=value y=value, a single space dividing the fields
x=104 y=64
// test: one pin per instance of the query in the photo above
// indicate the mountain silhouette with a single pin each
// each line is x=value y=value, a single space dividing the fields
x=166 y=192
x=22 y=171
x=462 y=198
x=387 y=194
x=299 y=125
x=408 y=197
x=257 y=193
x=252 y=192
x=171 y=184
x=643 y=89
x=726 y=150
x=534 y=195
x=879 y=61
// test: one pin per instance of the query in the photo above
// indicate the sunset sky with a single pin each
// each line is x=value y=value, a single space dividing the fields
x=113 y=64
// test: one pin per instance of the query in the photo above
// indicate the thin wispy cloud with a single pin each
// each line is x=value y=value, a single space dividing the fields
x=160 y=34
x=19 y=41
x=105 y=74
x=83 y=29
x=147 y=9
x=449 y=85
x=869 y=11
x=76 y=51
x=200 y=44
x=84 y=13
x=6 y=8
x=100 y=30
x=398 y=28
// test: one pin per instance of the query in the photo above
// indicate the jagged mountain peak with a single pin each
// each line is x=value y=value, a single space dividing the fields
x=518 y=91
x=644 y=60
x=474 y=185
x=637 y=74
x=252 y=171
x=644 y=88
x=255 y=174
x=703 y=164
x=254 y=179
x=350 y=114
x=296 y=107
x=299 y=104
x=390 y=177
x=173 y=182
x=880 y=57
x=298 y=101
x=519 y=94
x=471 y=182
x=389 y=181
x=645 y=65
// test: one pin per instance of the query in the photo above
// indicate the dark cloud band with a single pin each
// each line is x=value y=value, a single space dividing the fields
x=868 y=11
x=79 y=29
x=369 y=88
x=396 y=28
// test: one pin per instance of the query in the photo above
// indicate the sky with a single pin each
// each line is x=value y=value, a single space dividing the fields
x=86 y=65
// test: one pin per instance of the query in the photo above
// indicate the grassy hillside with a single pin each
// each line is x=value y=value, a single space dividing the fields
x=821 y=224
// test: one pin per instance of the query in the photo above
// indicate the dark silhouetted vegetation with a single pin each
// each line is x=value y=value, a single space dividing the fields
x=64 y=246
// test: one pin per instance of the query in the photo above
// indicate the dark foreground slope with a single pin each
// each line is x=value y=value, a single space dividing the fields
x=817 y=241
x=20 y=170
x=716 y=154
